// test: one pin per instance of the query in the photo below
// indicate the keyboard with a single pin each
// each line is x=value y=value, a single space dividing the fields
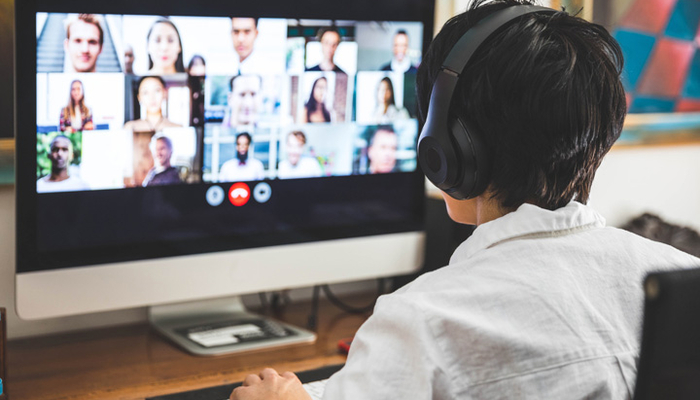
x=314 y=382
x=316 y=388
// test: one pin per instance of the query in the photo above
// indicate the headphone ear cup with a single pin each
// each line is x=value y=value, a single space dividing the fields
x=474 y=160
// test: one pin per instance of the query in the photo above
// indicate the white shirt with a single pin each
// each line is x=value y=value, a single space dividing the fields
x=258 y=64
x=400 y=66
x=234 y=170
x=536 y=304
x=306 y=167
x=71 y=184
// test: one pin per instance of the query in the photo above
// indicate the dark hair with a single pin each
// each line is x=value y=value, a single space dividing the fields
x=545 y=93
x=401 y=32
x=193 y=59
x=254 y=19
x=60 y=136
x=156 y=77
x=379 y=128
x=323 y=31
x=312 y=104
x=245 y=135
x=390 y=86
x=230 y=82
x=179 y=63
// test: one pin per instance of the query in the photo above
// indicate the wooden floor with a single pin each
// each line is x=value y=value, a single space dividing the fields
x=134 y=362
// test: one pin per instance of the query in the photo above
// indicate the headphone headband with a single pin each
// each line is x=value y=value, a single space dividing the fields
x=450 y=153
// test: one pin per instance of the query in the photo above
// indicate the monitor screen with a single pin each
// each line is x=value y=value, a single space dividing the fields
x=148 y=133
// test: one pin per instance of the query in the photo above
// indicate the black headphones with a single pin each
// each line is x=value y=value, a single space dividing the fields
x=451 y=152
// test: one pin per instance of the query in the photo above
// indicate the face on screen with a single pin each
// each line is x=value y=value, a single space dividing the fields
x=164 y=47
x=83 y=45
x=400 y=46
x=151 y=95
x=382 y=152
x=329 y=44
x=243 y=32
x=162 y=152
x=245 y=99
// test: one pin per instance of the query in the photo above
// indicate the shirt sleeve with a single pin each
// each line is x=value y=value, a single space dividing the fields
x=393 y=356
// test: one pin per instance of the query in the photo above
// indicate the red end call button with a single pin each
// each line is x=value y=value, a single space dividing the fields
x=239 y=194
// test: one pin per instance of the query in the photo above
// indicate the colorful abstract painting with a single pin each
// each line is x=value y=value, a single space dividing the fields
x=660 y=41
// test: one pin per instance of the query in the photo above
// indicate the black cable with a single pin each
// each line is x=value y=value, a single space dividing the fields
x=263 y=301
x=351 y=309
x=313 y=317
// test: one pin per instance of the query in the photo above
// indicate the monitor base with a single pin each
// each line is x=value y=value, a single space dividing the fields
x=222 y=326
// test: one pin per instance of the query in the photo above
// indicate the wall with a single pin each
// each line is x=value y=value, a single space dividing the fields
x=664 y=180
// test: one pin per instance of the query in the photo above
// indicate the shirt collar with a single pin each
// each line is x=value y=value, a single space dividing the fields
x=530 y=221
x=401 y=66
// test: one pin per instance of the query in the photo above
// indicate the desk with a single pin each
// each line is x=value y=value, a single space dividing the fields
x=134 y=362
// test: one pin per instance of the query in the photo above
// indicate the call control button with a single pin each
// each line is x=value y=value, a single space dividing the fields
x=215 y=196
x=262 y=192
x=239 y=194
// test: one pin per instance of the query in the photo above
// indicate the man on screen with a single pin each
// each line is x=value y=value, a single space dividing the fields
x=83 y=44
x=297 y=165
x=382 y=150
x=400 y=62
x=162 y=173
x=243 y=167
x=244 y=100
x=330 y=39
x=60 y=180
x=244 y=31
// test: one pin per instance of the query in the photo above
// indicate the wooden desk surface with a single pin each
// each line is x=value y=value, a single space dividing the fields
x=134 y=362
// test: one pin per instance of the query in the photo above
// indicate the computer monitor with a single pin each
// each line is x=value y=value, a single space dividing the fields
x=179 y=152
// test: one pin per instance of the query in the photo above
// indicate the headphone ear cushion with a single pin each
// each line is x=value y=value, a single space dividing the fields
x=474 y=160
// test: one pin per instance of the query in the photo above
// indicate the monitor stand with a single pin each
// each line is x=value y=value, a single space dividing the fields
x=222 y=326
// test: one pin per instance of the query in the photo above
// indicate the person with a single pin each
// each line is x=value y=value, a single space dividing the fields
x=151 y=94
x=76 y=116
x=128 y=59
x=542 y=301
x=330 y=39
x=83 y=43
x=297 y=165
x=315 y=108
x=164 y=48
x=60 y=179
x=400 y=62
x=386 y=110
x=381 y=152
x=197 y=66
x=162 y=173
x=244 y=101
x=243 y=167
x=244 y=31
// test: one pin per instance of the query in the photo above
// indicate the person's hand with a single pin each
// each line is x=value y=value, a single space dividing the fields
x=269 y=385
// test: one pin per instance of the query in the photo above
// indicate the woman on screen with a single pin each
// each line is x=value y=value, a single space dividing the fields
x=197 y=66
x=315 y=109
x=76 y=116
x=387 y=111
x=164 y=48
x=152 y=93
